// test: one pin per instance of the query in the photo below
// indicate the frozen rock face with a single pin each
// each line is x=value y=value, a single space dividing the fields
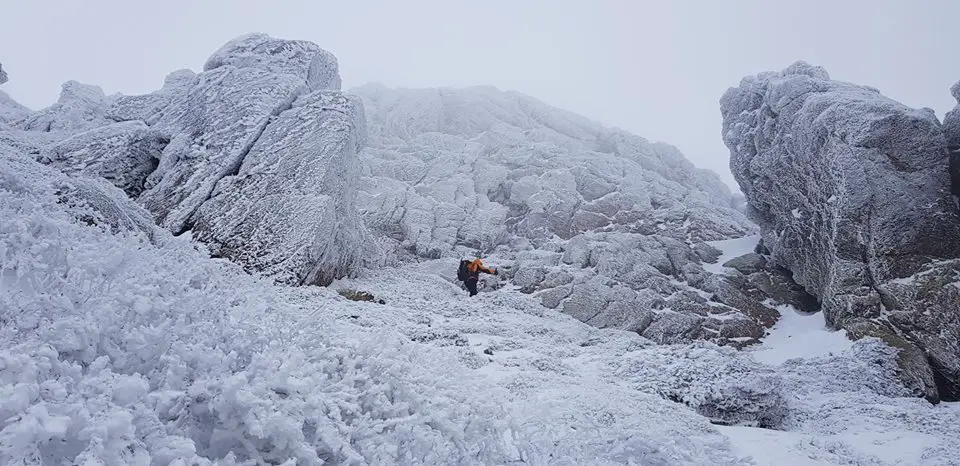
x=11 y=110
x=150 y=108
x=90 y=199
x=290 y=211
x=951 y=129
x=852 y=194
x=264 y=124
x=80 y=107
x=211 y=129
x=3 y=75
x=123 y=153
x=302 y=59
x=599 y=223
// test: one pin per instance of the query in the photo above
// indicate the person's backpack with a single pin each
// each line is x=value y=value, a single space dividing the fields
x=463 y=273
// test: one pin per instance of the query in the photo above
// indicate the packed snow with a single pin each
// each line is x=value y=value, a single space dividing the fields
x=798 y=335
x=729 y=249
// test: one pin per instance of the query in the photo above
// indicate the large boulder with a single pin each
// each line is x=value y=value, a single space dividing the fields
x=305 y=60
x=258 y=158
x=290 y=210
x=852 y=194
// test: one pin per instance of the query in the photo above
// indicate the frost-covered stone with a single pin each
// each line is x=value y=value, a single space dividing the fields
x=852 y=193
x=150 y=108
x=123 y=153
x=90 y=200
x=290 y=210
x=11 y=110
x=452 y=170
x=80 y=107
x=951 y=129
x=302 y=59
x=212 y=128
x=3 y=75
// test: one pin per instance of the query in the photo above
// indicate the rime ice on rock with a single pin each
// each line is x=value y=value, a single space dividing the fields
x=601 y=224
x=302 y=59
x=290 y=210
x=211 y=128
x=870 y=177
x=80 y=107
x=124 y=153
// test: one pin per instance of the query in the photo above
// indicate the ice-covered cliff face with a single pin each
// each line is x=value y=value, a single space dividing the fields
x=852 y=193
x=256 y=155
x=599 y=223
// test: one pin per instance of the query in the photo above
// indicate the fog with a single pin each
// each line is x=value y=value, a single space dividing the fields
x=656 y=69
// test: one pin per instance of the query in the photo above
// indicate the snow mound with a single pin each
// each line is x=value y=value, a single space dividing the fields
x=90 y=200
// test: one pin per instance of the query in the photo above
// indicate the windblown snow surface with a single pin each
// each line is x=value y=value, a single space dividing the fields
x=118 y=349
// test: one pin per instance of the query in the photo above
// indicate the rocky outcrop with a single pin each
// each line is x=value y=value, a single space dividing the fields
x=852 y=194
x=10 y=110
x=123 y=153
x=290 y=211
x=598 y=223
x=89 y=199
x=256 y=154
x=951 y=129
x=79 y=108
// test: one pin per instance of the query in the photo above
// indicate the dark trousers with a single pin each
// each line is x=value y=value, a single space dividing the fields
x=471 y=284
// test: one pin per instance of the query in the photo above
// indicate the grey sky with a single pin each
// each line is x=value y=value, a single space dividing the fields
x=654 y=68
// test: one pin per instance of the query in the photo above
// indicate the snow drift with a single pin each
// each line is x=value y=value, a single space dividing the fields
x=852 y=194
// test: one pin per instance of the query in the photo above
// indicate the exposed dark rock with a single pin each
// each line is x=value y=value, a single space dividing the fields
x=747 y=263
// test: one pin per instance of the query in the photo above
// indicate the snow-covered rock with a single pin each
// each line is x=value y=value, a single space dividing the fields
x=211 y=129
x=262 y=168
x=852 y=194
x=302 y=59
x=124 y=153
x=599 y=223
x=150 y=108
x=3 y=75
x=80 y=107
x=290 y=211
x=951 y=129
x=88 y=199
x=11 y=110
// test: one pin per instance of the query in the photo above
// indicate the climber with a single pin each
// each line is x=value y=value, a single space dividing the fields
x=469 y=273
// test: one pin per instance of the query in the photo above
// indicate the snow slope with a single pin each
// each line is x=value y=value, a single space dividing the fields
x=125 y=351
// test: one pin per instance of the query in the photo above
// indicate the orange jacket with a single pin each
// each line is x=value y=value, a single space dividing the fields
x=476 y=267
